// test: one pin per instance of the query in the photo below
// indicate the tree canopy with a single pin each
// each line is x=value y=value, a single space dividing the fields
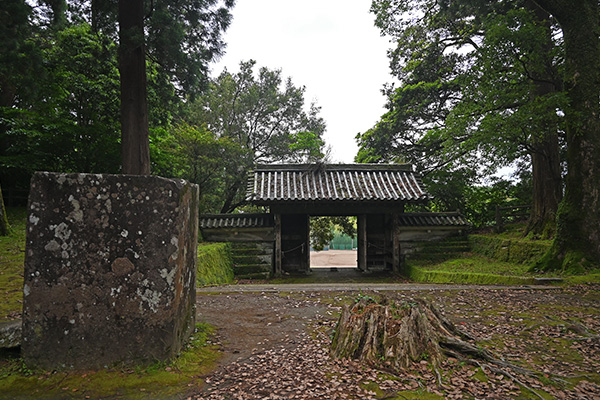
x=62 y=96
x=60 y=79
x=478 y=90
x=485 y=84
x=263 y=114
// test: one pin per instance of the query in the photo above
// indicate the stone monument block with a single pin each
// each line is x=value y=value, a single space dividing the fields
x=110 y=269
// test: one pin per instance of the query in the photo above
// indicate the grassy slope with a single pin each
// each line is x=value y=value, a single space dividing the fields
x=12 y=257
x=477 y=268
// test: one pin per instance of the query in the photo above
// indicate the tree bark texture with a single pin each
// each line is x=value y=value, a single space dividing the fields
x=577 y=243
x=547 y=187
x=135 y=144
x=545 y=150
x=4 y=226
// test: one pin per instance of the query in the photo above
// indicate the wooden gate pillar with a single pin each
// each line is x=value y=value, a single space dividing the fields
x=306 y=247
x=362 y=242
x=278 y=251
x=396 y=258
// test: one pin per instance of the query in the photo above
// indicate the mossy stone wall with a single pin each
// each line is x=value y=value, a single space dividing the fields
x=509 y=250
x=215 y=264
x=110 y=269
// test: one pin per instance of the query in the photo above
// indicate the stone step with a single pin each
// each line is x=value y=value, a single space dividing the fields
x=255 y=276
x=253 y=259
x=246 y=250
x=251 y=269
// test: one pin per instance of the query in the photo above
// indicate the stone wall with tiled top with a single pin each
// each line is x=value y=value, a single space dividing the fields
x=110 y=269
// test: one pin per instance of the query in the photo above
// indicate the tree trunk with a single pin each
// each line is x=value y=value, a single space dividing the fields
x=577 y=242
x=396 y=335
x=4 y=226
x=230 y=203
x=547 y=187
x=135 y=145
x=545 y=154
x=59 y=9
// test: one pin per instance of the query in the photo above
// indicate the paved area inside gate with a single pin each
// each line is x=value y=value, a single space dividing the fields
x=333 y=258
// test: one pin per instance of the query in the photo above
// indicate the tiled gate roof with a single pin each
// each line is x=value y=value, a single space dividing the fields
x=430 y=219
x=220 y=221
x=335 y=182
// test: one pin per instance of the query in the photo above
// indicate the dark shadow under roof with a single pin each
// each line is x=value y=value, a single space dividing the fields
x=288 y=183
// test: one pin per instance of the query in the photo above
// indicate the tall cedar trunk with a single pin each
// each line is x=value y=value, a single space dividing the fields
x=578 y=224
x=4 y=227
x=135 y=146
x=59 y=9
x=547 y=187
x=545 y=153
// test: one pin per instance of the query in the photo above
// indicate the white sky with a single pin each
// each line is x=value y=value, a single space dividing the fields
x=329 y=46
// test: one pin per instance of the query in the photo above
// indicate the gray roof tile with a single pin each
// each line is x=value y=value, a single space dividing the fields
x=335 y=182
x=217 y=221
x=432 y=219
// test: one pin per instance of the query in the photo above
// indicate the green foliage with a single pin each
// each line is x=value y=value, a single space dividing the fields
x=481 y=201
x=184 y=37
x=262 y=113
x=478 y=89
x=306 y=147
x=323 y=230
x=72 y=123
x=265 y=116
x=458 y=190
x=60 y=86
x=215 y=264
x=20 y=60
x=199 y=156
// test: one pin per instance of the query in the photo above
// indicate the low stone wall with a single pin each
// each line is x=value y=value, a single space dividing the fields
x=515 y=251
x=110 y=269
x=215 y=265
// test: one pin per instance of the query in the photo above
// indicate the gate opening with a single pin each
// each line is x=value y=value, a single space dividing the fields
x=333 y=243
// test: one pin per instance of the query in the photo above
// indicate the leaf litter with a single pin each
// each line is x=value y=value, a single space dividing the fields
x=276 y=346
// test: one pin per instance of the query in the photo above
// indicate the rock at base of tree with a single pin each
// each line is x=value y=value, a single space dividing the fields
x=110 y=269
x=10 y=334
x=397 y=334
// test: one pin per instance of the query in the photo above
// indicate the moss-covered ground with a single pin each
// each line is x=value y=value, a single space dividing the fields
x=162 y=380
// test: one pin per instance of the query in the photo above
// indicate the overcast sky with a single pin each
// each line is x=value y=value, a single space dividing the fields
x=329 y=46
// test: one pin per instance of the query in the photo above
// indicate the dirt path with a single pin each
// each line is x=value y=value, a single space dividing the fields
x=251 y=322
x=275 y=345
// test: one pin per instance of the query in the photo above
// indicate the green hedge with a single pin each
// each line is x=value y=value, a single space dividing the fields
x=215 y=264
x=509 y=250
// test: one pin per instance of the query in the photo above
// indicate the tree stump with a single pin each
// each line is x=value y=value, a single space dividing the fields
x=397 y=334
